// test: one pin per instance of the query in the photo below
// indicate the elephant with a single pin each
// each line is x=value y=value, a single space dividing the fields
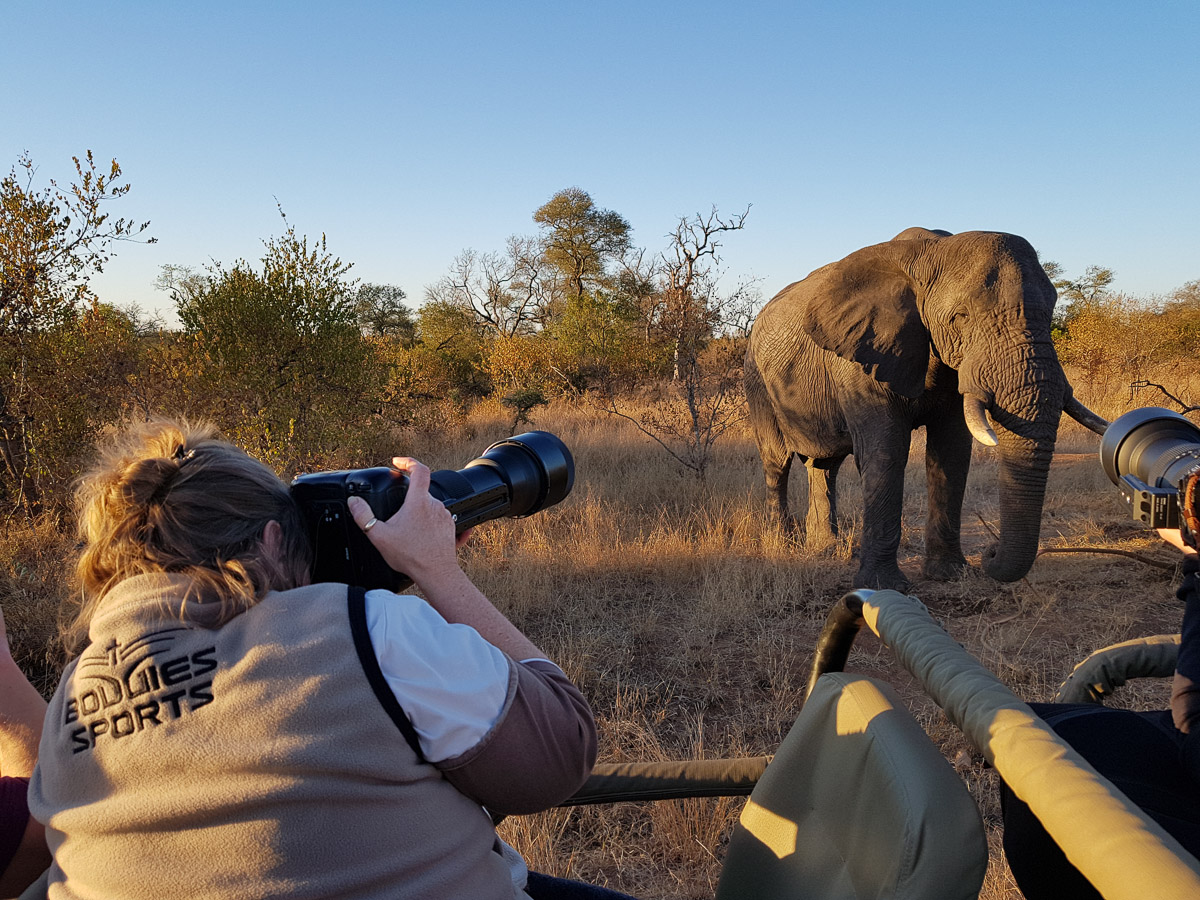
x=929 y=329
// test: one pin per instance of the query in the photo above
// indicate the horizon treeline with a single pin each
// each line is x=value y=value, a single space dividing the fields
x=307 y=368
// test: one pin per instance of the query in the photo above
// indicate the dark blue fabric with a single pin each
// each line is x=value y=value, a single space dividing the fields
x=545 y=887
x=1140 y=754
x=14 y=816
x=1188 y=662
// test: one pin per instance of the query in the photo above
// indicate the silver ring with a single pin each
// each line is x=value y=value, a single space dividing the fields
x=374 y=521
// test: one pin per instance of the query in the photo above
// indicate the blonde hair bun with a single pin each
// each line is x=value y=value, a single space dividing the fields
x=148 y=506
x=148 y=480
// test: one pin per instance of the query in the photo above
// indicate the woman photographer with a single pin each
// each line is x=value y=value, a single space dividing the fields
x=229 y=730
x=1152 y=757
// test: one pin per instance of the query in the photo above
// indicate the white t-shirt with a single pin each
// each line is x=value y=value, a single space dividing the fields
x=449 y=680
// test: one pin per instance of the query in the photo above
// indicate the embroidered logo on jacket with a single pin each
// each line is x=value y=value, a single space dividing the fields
x=124 y=689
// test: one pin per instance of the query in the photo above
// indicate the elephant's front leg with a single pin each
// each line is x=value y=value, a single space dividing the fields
x=881 y=452
x=947 y=461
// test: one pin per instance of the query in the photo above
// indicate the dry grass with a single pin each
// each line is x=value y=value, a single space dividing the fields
x=35 y=575
x=689 y=620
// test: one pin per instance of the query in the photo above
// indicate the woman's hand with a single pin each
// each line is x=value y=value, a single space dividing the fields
x=1184 y=537
x=1174 y=537
x=419 y=539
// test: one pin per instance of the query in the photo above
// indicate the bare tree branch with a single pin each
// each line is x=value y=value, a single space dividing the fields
x=1184 y=407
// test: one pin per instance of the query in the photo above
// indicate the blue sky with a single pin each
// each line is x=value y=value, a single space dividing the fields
x=408 y=132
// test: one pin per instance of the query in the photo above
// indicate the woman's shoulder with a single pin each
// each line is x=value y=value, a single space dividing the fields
x=408 y=619
x=312 y=606
x=410 y=636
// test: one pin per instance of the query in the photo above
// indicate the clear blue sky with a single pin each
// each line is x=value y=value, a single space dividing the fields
x=407 y=132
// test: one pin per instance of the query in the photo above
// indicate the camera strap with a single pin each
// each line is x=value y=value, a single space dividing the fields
x=357 y=602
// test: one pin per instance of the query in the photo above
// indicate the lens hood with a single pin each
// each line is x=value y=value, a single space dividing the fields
x=1145 y=443
x=536 y=465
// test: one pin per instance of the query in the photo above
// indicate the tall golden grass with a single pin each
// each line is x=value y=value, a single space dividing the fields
x=689 y=619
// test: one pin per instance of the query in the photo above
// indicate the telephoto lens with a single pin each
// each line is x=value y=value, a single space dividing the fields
x=1148 y=453
x=515 y=477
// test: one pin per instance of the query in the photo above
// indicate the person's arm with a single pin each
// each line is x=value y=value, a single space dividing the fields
x=543 y=745
x=516 y=737
x=1185 y=687
x=419 y=540
x=538 y=754
x=22 y=710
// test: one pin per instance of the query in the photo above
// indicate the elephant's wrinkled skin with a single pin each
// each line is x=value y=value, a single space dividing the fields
x=928 y=329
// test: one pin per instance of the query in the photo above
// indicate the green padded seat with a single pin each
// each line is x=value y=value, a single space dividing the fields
x=857 y=803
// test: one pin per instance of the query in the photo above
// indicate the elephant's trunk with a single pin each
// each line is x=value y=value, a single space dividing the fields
x=1025 y=415
x=1024 y=465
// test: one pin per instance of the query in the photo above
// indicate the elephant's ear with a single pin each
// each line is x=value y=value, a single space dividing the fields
x=864 y=309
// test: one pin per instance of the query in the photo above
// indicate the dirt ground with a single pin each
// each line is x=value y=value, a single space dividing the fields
x=690 y=621
x=688 y=674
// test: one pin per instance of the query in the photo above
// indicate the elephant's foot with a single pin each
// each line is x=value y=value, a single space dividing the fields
x=944 y=568
x=881 y=576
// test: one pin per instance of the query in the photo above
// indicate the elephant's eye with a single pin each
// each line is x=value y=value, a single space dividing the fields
x=959 y=317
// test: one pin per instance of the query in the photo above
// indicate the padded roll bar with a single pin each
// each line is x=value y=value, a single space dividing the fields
x=1104 y=834
x=1106 y=670
x=615 y=782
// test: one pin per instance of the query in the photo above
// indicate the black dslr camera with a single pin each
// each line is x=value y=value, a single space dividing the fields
x=514 y=477
x=1149 y=454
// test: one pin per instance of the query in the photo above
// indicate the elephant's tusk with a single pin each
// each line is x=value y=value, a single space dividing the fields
x=1085 y=416
x=977 y=421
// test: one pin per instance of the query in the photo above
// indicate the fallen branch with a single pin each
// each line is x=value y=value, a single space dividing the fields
x=1157 y=563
